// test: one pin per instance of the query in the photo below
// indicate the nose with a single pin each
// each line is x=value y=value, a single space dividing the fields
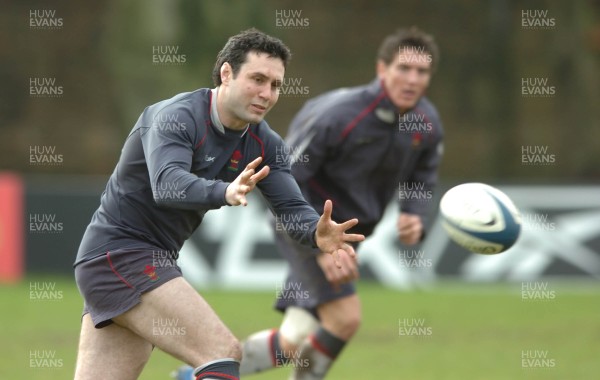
x=412 y=76
x=265 y=92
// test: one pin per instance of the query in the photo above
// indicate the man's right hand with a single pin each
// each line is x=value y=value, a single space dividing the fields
x=339 y=270
x=235 y=194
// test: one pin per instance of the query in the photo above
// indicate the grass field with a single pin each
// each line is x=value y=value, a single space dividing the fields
x=464 y=331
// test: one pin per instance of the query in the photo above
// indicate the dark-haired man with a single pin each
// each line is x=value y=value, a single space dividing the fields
x=186 y=155
x=357 y=147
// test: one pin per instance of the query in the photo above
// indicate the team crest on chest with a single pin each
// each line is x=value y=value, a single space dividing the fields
x=234 y=161
x=416 y=139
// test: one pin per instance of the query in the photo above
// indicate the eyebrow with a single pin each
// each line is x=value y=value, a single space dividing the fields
x=404 y=64
x=258 y=73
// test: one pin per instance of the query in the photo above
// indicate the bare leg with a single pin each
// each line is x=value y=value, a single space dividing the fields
x=173 y=317
x=340 y=319
x=197 y=335
x=111 y=353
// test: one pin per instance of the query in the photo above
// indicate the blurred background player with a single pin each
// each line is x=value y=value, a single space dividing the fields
x=355 y=146
x=197 y=151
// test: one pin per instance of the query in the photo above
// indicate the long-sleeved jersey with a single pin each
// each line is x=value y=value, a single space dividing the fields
x=352 y=146
x=175 y=166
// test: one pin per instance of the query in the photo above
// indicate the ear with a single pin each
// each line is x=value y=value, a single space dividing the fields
x=381 y=67
x=226 y=73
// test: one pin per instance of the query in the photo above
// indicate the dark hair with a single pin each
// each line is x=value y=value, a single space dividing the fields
x=408 y=37
x=237 y=47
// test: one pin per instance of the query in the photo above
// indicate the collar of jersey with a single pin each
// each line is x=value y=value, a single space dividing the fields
x=214 y=117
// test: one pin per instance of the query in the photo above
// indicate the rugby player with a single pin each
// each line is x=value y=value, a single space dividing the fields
x=354 y=146
x=195 y=152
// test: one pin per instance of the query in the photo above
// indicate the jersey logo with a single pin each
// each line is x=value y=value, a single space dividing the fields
x=234 y=161
x=150 y=271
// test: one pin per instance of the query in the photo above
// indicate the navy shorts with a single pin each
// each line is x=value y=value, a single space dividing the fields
x=306 y=285
x=113 y=283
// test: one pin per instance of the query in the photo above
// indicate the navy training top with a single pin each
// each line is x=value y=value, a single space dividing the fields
x=352 y=146
x=175 y=166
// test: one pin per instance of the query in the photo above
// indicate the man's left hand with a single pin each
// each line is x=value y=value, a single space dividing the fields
x=410 y=228
x=331 y=236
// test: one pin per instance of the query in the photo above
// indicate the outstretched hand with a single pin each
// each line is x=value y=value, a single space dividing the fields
x=236 y=192
x=332 y=237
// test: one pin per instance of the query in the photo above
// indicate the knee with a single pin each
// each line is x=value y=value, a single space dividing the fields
x=343 y=325
x=350 y=324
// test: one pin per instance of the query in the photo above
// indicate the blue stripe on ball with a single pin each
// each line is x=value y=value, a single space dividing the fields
x=506 y=237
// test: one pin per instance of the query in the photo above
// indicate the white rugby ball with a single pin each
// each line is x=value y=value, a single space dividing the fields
x=480 y=218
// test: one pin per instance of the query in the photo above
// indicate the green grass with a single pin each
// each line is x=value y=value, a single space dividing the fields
x=476 y=332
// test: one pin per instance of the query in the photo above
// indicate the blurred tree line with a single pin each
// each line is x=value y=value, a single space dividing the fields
x=102 y=56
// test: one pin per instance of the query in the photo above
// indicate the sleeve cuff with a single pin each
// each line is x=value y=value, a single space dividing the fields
x=218 y=194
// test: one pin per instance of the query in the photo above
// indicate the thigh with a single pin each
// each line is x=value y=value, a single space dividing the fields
x=176 y=319
x=111 y=353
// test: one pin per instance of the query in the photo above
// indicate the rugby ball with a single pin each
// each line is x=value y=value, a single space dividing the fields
x=480 y=218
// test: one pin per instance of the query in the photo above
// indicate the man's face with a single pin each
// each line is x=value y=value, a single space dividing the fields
x=254 y=91
x=406 y=78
